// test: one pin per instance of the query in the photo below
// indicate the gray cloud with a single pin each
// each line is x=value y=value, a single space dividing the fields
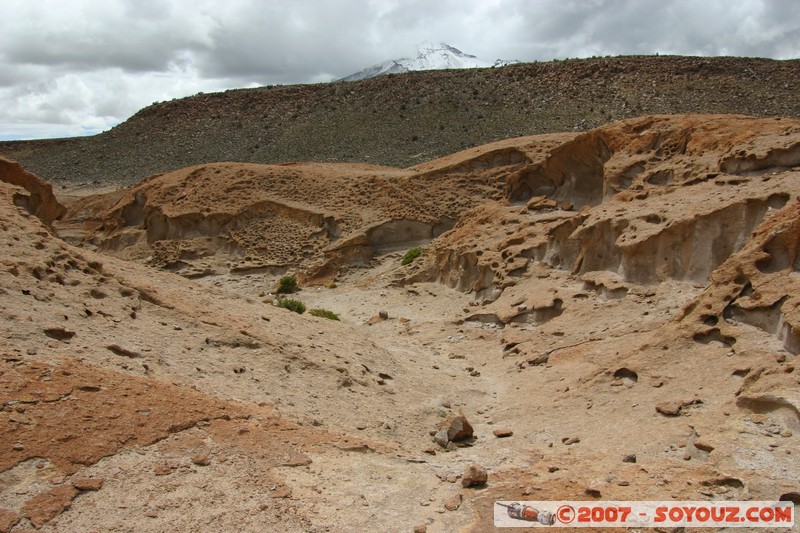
x=74 y=67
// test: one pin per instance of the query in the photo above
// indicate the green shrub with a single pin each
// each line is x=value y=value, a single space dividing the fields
x=331 y=285
x=324 y=313
x=292 y=305
x=287 y=284
x=411 y=255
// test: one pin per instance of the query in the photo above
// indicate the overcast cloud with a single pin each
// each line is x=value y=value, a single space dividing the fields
x=81 y=66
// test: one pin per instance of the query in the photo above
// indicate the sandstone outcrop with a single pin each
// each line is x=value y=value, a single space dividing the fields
x=36 y=197
x=624 y=299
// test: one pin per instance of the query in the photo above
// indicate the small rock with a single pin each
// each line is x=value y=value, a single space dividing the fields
x=441 y=438
x=151 y=513
x=454 y=502
x=623 y=483
x=669 y=408
x=630 y=458
x=552 y=469
x=593 y=490
x=163 y=470
x=17 y=446
x=201 y=459
x=703 y=446
x=384 y=315
x=88 y=483
x=430 y=451
x=123 y=352
x=570 y=440
x=502 y=433
x=786 y=433
x=31 y=351
x=420 y=528
x=473 y=475
x=457 y=426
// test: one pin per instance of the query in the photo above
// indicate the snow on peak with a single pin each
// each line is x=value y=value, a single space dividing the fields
x=430 y=56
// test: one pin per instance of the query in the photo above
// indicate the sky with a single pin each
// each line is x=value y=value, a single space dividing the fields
x=79 y=67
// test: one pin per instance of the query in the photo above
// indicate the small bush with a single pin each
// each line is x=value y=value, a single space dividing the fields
x=324 y=313
x=292 y=305
x=411 y=255
x=331 y=285
x=287 y=285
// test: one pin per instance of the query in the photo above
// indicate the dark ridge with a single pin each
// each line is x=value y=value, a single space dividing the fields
x=402 y=120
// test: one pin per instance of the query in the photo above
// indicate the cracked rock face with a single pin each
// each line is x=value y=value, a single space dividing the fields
x=626 y=292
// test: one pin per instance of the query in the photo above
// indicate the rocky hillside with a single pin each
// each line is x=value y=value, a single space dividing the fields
x=406 y=119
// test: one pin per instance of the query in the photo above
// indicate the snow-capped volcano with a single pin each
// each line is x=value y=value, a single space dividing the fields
x=429 y=57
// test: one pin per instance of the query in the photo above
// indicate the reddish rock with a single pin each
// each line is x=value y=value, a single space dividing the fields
x=453 y=502
x=48 y=505
x=163 y=470
x=201 y=459
x=8 y=519
x=457 y=426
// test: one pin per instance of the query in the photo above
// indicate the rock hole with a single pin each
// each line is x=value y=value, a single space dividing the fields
x=793 y=497
x=725 y=481
x=773 y=405
x=778 y=200
x=626 y=374
x=791 y=340
x=710 y=321
x=747 y=290
x=59 y=334
x=485 y=318
x=714 y=335
x=662 y=177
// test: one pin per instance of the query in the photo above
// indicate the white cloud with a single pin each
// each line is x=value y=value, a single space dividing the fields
x=84 y=65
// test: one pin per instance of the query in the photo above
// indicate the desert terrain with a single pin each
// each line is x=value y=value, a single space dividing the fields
x=615 y=312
